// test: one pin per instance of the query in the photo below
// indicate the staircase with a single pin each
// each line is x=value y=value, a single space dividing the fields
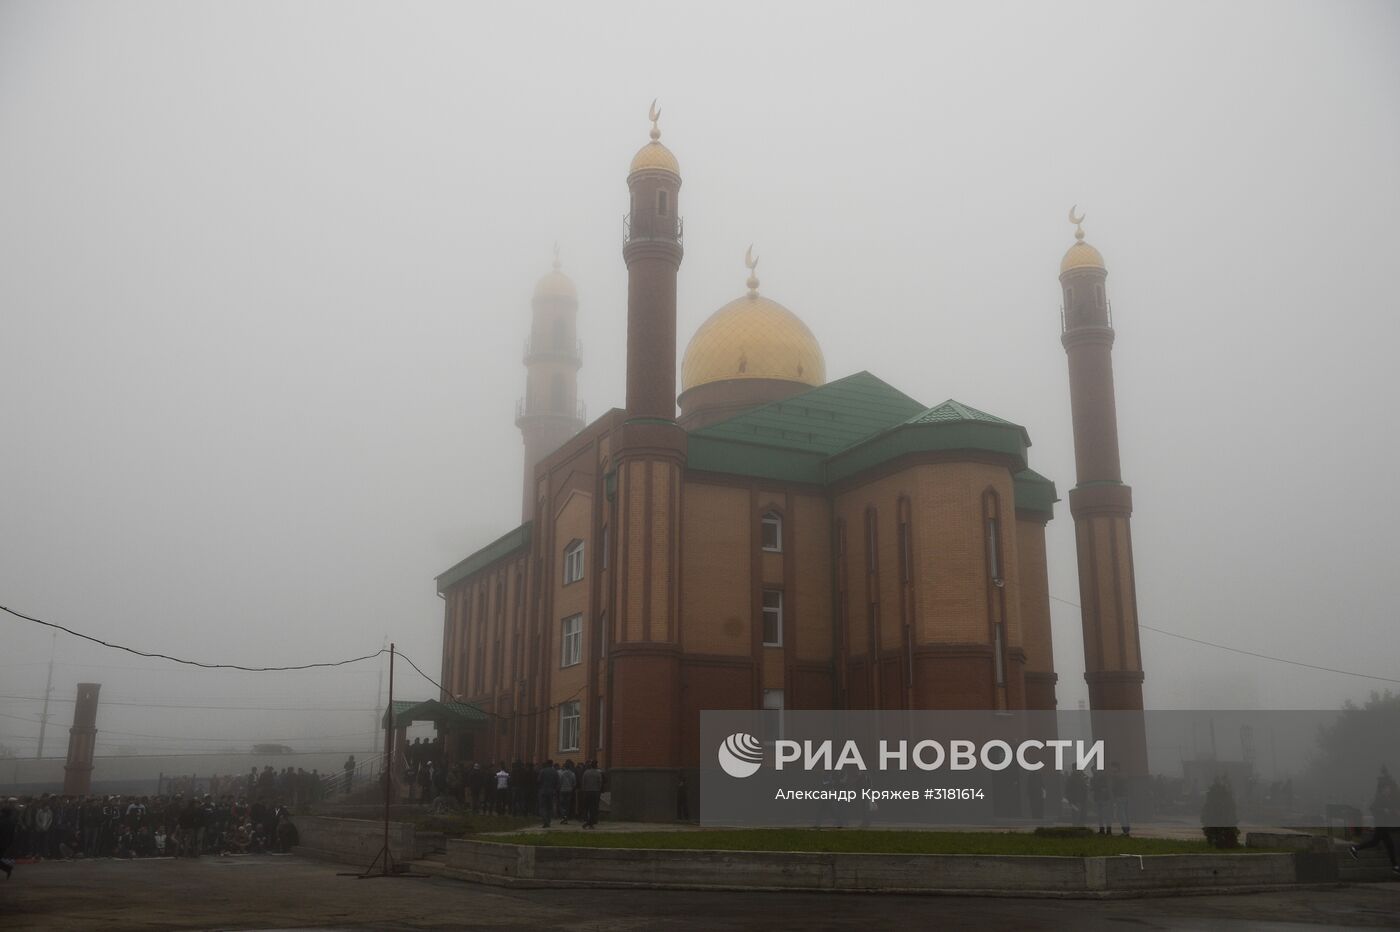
x=1374 y=865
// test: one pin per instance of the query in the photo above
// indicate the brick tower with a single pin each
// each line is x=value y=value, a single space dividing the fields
x=82 y=738
x=649 y=457
x=1100 y=503
x=550 y=412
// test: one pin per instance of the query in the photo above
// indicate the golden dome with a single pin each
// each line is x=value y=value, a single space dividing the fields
x=654 y=155
x=556 y=284
x=752 y=337
x=1081 y=255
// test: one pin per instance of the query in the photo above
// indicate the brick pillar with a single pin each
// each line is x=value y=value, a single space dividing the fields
x=82 y=740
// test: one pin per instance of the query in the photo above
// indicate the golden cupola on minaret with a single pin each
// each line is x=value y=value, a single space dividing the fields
x=749 y=352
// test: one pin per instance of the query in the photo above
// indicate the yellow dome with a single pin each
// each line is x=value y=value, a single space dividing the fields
x=655 y=156
x=556 y=285
x=1081 y=256
x=752 y=338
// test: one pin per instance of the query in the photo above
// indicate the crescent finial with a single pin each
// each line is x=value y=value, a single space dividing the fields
x=1079 y=230
x=654 y=114
x=752 y=262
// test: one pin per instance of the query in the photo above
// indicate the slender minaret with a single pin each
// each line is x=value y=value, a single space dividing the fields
x=1100 y=503
x=82 y=742
x=550 y=412
x=644 y=682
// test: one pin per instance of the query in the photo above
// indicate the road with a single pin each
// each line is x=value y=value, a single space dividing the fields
x=270 y=892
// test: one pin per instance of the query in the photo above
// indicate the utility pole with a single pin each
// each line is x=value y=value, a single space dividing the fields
x=48 y=688
x=378 y=706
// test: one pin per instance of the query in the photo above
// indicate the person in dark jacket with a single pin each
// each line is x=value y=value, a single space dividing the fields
x=9 y=820
x=546 y=785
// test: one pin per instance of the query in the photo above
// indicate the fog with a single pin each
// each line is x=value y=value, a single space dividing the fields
x=265 y=272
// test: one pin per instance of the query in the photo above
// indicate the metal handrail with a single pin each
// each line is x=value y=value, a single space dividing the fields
x=650 y=224
x=547 y=348
x=523 y=409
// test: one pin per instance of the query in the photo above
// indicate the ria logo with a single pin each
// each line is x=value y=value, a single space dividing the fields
x=740 y=755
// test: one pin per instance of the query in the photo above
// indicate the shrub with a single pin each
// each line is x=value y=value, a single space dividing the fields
x=1218 y=816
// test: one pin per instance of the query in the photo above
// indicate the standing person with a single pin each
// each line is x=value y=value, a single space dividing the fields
x=502 y=788
x=43 y=825
x=1077 y=794
x=567 y=781
x=591 y=787
x=682 y=800
x=1386 y=810
x=475 y=785
x=1103 y=800
x=9 y=823
x=349 y=769
x=1119 y=788
x=546 y=785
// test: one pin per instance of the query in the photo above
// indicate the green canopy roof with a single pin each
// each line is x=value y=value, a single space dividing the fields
x=453 y=714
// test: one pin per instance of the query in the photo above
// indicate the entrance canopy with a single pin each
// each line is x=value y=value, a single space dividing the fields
x=443 y=714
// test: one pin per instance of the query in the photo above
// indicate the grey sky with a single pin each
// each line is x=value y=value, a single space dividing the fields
x=265 y=272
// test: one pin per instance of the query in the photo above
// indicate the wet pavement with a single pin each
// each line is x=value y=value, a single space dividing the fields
x=272 y=892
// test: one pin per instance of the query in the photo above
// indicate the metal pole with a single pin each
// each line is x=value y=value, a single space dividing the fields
x=48 y=688
x=388 y=760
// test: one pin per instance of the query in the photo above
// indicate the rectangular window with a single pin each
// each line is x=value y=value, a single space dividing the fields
x=772 y=530
x=573 y=563
x=571 y=641
x=772 y=618
x=605 y=546
x=568 y=726
x=772 y=715
x=662 y=204
x=603 y=635
x=601 y=719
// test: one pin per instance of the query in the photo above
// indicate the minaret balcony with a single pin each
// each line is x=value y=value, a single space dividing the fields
x=525 y=411
x=547 y=350
x=650 y=226
x=1098 y=318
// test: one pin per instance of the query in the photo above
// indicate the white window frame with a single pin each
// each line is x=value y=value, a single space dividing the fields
x=777 y=612
x=573 y=562
x=569 y=725
x=773 y=701
x=571 y=641
x=775 y=521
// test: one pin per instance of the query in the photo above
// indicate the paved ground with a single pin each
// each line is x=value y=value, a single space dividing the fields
x=269 y=892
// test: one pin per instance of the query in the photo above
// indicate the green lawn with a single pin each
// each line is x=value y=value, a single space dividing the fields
x=856 y=840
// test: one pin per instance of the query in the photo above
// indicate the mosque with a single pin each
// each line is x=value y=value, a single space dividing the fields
x=785 y=541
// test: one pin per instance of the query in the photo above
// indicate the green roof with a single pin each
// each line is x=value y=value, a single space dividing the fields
x=825 y=420
x=843 y=428
x=1034 y=492
x=504 y=546
x=408 y=711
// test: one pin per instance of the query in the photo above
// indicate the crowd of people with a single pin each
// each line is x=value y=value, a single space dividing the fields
x=565 y=791
x=53 y=827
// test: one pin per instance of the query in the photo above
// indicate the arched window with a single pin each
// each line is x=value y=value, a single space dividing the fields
x=561 y=335
x=663 y=205
x=771 y=528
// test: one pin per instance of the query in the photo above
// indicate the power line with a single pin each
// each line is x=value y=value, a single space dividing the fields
x=183 y=705
x=1250 y=653
x=192 y=663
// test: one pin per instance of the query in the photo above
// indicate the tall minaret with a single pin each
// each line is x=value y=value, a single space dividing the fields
x=1100 y=503
x=648 y=458
x=550 y=412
